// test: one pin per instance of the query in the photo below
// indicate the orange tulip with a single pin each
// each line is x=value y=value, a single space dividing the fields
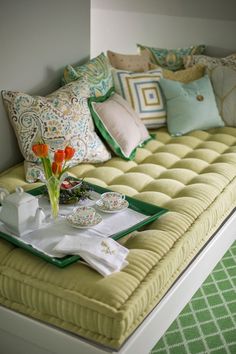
x=56 y=168
x=40 y=150
x=69 y=153
x=59 y=156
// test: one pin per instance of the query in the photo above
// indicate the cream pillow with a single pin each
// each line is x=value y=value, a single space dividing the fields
x=223 y=79
x=119 y=125
x=129 y=62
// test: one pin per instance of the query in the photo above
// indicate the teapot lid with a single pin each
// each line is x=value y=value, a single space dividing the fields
x=19 y=197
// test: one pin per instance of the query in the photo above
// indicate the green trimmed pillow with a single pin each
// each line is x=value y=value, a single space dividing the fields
x=142 y=92
x=97 y=72
x=190 y=106
x=171 y=59
x=119 y=125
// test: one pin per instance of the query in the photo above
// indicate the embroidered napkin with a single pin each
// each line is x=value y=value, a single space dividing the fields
x=104 y=255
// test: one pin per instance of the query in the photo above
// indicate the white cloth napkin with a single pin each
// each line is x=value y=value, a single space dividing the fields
x=103 y=254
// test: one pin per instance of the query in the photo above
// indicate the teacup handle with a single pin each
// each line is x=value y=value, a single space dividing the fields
x=123 y=196
x=19 y=190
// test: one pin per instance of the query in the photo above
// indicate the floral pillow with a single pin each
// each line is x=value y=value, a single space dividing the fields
x=210 y=62
x=97 y=72
x=171 y=59
x=59 y=119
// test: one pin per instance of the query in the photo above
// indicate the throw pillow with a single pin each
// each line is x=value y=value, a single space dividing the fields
x=119 y=125
x=171 y=59
x=223 y=79
x=97 y=72
x=59 y=119
x=143 y=93
x=190 y=106
x=129 y=62
x=186 y=75
x=210 y=62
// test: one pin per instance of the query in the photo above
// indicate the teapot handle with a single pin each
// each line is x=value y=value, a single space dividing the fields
x=3 y=194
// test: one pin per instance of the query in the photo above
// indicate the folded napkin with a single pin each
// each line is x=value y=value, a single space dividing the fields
x=105 y=255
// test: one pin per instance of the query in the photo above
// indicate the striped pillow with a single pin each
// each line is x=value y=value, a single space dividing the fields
x=143 y=92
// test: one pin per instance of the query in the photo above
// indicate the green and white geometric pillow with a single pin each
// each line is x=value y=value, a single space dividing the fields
x=143 y=93
x=97 y=72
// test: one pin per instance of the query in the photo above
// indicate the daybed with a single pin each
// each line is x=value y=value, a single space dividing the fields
x=50 y=310
x=45 y=309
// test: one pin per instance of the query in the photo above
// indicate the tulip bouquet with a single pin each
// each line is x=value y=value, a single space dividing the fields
x=53 y=171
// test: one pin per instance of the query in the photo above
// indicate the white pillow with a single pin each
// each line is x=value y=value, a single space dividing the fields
x=119 y=125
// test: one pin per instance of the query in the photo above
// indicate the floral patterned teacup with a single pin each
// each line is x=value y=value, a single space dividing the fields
x=112 y=200
x=84 y=215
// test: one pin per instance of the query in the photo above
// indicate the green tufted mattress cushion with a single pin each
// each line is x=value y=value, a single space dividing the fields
x=193 y=176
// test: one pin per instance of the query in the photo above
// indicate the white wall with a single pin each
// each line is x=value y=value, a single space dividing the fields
x=37 y=39
x=119 y=25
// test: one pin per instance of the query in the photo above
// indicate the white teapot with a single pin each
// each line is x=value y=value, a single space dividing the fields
x=20 y=211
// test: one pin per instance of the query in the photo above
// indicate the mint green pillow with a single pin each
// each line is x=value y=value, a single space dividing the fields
x=190 y=106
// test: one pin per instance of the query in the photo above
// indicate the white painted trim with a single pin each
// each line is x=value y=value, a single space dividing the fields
x=46 y=339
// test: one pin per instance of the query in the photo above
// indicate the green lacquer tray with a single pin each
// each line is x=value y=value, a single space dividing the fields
x=152 y=211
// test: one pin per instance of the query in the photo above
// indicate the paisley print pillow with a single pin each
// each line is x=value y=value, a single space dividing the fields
x=210 y=62
x=97 y=72
x=171 y=59
x=59 y=119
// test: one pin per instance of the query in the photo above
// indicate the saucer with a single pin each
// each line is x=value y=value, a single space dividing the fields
x=73 y=220
x=124 y=205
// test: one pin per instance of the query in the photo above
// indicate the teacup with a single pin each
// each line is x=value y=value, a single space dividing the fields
x=84 y=215
x=112 y=200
